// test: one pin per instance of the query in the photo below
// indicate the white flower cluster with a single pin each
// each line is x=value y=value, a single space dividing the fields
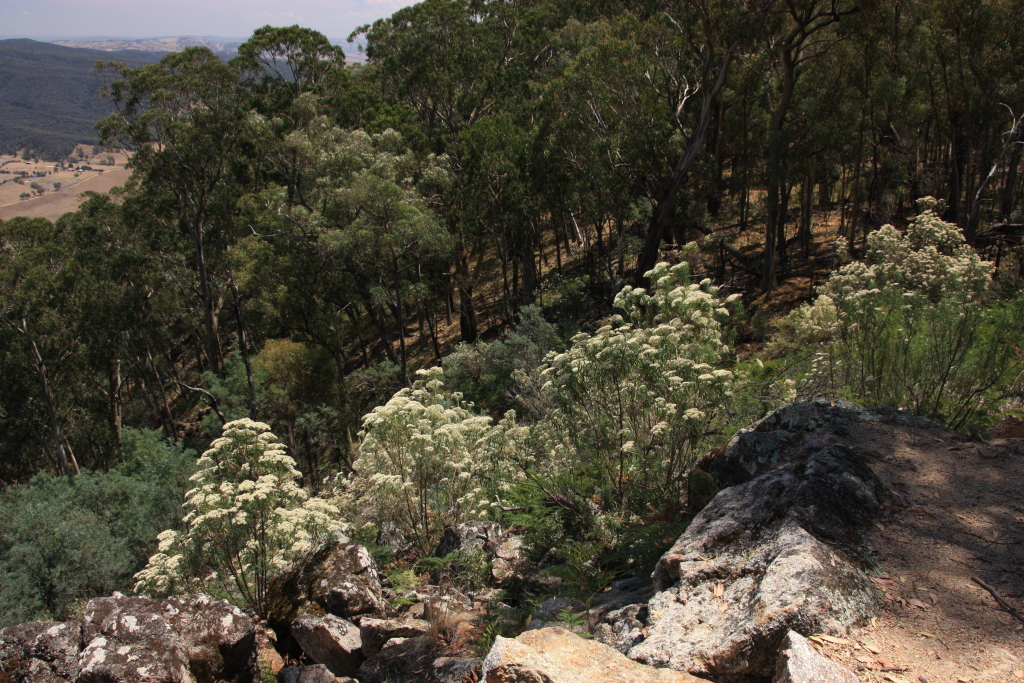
x=633 y=402
x=247 y=518
x=426 y=461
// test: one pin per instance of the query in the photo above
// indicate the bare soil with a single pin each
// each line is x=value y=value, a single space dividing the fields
x=955 y=512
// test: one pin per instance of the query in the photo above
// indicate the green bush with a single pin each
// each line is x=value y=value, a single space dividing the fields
x=914 y=326
x=64 y=541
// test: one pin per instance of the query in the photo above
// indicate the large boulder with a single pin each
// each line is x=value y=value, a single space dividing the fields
x=801 y=663
x=331 y=641
x=780 y=552
x=554 y=655
x=136 y=639
x=347 y=583
x=317 y=673
x=40 y=652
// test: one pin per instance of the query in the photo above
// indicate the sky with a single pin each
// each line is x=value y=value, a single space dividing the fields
x=68 y=19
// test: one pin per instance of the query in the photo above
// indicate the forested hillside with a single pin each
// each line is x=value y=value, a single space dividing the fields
x=532 y=261
x=50 y=95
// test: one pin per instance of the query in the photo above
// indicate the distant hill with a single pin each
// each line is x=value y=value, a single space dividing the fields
x=50 y=95
x=176 y=44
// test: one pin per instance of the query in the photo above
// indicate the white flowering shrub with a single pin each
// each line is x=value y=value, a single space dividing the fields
x=911 y=326
x=247 y=519
x=427 y=461
x=629 y=407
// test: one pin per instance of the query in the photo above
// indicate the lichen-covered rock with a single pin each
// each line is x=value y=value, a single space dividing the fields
x=801 y=663
x=331 y=641
x=777 y=553
x=347 y=584
x=376 y=632
x=42 y=651
x=408 y=661
x=623 y=628
x=554 y=655
x=137 y=640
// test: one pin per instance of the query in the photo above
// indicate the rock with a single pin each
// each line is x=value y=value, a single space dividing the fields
x=318 y=673
x=347 y=584
x=623 y=628
x=404 y=662
x=554 y=655
x=504 y=549
x=331 y=641
x=376 y=632
x=468 y=536
x=752 y=451
x=801 y=663
x=1009 y=427
x=776 y=553
x=139 y=639
x=266 y=650
x=550 y=608
x=455 y=670
x=40 y=651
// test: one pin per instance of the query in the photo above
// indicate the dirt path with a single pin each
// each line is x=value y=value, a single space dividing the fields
x=956 y=511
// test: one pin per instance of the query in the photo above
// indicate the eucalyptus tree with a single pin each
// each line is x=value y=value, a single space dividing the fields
x=184 y=120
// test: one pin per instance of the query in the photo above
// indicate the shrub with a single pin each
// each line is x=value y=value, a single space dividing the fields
x=427 y=461
x=626 y=411
x=65 y=541
x=247 y=519
x=913 y=326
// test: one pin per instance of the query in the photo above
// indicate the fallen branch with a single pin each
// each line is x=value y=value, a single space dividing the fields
x=1000 y=599
x=208 y=398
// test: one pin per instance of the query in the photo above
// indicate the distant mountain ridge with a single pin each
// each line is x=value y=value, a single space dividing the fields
x=50 y=95
x=171 y=44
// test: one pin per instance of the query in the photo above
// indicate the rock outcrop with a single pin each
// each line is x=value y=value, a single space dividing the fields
x=554 y=655
x=777 y=553
x=123 y=639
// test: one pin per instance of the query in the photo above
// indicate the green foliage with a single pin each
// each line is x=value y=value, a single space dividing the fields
x=582 y=572
x=913 y=326
x=465 y=570
x=485 y=372
x=247 y=520
x=626 y=411
x=65 y=541
x=425 y=461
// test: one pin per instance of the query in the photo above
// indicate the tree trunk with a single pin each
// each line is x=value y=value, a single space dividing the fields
x=662 y=212
x=529 y=274
x=51 y=403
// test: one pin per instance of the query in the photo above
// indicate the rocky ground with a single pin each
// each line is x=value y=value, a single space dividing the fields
x=846 y=545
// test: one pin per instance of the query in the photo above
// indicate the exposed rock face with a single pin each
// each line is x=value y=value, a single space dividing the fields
x=402 y=662
x=376 y=632
x=41 y=651
x=801 y=663
x=139 y=639
x=347 y=583
x=554 y=655
x=331 y=641
x=774 y=554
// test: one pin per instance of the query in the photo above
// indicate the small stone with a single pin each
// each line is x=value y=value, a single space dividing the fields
x=801 y=663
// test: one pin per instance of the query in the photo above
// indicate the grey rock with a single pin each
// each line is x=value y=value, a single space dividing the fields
x=801 y=663
x=40 y=651
x=783 y=550
x=138 y=639
x=331 y=641
x=455 y=670
x=317 y=673
x=404 y=662
x=376 y=632
x=623 y=628
x=468 y=536
x=553 y=655
x=550 y=608
x=346 y=583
